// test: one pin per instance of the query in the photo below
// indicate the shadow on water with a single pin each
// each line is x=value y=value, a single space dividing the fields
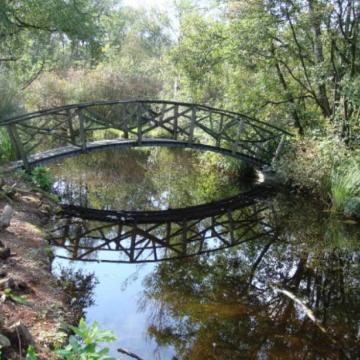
x=285 y=284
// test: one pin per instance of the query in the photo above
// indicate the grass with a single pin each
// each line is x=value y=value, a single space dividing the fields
x=344 y=184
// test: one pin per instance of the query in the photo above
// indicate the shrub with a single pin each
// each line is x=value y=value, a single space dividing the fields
x=309 y=162
x=42 y=177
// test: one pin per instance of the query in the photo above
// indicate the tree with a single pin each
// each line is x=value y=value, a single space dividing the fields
x=35 y=33
x=280 y=59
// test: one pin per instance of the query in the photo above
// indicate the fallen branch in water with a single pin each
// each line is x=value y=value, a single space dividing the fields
x=129 y=353
x=310 y=314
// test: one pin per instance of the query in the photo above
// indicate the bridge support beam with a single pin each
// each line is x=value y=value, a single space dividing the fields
x=82 y=131
x=18 y=146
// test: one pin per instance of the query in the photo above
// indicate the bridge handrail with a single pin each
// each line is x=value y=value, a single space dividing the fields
x=50 y=111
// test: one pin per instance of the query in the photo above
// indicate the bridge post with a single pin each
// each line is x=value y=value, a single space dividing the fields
x=218 y=140
x=69 y=119
x=139 y=122
x=82 y=131
x=175 y=127
x=192 y=125
x=18 y=146
x=240 y=129
x=184 y=237
x=278 y=149
x=124 y=121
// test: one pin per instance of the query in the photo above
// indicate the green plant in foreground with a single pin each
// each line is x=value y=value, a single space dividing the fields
x=31 y=354
x=19 y=299
x=83 y=344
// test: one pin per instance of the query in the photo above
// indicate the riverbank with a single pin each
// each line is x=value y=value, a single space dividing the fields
x=33 y=307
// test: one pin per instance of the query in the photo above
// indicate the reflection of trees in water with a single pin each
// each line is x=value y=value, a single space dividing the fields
x=226 y=306
x=79 y=289
x=140 y=179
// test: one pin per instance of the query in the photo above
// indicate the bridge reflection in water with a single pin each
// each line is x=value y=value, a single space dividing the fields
x=151 y=236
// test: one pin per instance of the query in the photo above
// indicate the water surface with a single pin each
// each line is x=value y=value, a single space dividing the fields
x=290 y=292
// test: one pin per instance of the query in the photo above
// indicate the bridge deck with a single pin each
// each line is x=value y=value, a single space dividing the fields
x=72 y=150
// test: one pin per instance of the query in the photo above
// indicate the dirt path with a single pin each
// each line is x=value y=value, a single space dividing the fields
x=35 y=305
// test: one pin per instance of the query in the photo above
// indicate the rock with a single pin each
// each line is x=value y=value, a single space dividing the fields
x=9 y=190
x=4 y=342
x=2 y=320
x=7 y=283
x=352 y=208
x=1 y=244
x=32 y=200
x=5 y=253
x=20 y=331
x=6 y=216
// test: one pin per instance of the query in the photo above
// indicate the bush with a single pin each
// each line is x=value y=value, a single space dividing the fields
x=308 y=164
x=42 y=177
x=76 y=86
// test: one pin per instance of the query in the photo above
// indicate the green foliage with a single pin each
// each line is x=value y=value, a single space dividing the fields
x=19 y=299
x=83 y=345
x=31 y=353
x=307 y=163
x=36 y=34
x=39 y=176
x=7 y=152
x=42 y=177
x=345 y=185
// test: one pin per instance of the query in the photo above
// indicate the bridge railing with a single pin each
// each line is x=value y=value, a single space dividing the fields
x=79 y=125
x=151 y=236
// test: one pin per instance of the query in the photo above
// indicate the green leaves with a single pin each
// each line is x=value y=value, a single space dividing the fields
x=83 y=345
x=19 y=299
x=31 y=354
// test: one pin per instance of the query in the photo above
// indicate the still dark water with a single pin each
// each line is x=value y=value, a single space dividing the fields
x=288 y=290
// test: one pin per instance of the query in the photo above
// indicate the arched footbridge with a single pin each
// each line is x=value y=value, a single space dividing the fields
x=68 y=130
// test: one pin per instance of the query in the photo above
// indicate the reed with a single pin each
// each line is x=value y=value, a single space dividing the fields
x=344 y=184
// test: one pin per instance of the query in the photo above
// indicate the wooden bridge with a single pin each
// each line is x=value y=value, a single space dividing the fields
x=68 y=130
x=151 y=236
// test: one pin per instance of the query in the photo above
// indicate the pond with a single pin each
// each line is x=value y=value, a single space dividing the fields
x=284 y=284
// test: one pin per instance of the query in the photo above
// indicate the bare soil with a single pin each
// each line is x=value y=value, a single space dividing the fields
x=45 y=312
